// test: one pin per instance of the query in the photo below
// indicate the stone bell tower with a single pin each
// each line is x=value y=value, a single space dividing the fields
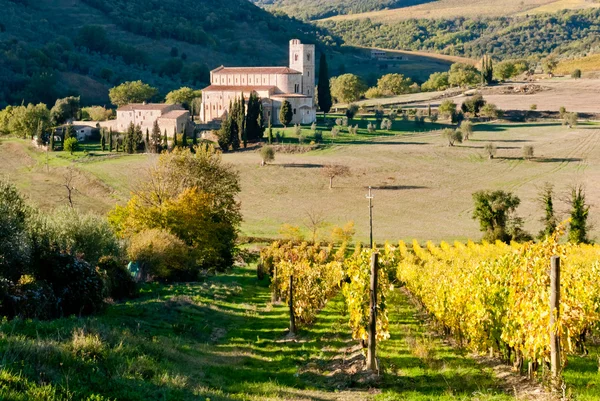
x=302 y=59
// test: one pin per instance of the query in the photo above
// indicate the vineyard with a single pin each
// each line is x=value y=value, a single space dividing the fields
x=491 y=298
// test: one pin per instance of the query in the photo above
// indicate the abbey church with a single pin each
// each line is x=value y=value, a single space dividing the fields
x=274 y=85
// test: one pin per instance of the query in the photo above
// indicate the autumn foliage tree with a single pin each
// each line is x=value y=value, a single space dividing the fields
x=193 y=196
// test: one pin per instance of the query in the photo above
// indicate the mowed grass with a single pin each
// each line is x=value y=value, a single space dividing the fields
x=444 y=9
x=422 y=187
x=222 y=340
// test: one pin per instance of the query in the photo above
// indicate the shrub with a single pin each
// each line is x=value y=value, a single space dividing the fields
x=318 y=136
x=161 y=256
x=118 y=282
x=88 y=236
x=371 y=128
x=452 y=136
x=490 y=110
x=467 y=130
x=267 y=154
x=490 y=149
x=473 y=105
x=576 y=73
x=527 y=152
x=533 y=107
x=14 y=246
x=71 y=145
x=77 y=285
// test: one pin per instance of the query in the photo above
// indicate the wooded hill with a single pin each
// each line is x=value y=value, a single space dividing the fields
x=567 y=33
x=53 y=48
x=317 y=9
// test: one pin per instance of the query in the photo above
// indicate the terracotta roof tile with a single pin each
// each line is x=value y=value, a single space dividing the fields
x=245 y=88
x=255 y=70
x=148 y=106
x=174 y=114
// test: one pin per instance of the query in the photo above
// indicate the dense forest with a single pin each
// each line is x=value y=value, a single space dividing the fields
x=317 y=9
x=563 y=33
x=51 y=49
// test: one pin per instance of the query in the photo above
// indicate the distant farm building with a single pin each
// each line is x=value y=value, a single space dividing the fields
x=170 y=117
x=382 y=55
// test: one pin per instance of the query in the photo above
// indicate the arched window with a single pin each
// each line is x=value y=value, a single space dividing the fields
x=308 y=56
x=296 y=57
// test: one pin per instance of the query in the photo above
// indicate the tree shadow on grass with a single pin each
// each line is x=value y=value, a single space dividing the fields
x=301 y=165
x=397 y=187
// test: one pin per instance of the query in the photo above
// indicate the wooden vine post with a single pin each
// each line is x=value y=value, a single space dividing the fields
x=554 y=316
x=291 y=303
x=371 y=355
x=274 y=295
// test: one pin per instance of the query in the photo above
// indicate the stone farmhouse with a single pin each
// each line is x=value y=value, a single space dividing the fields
x=170 y=117
x=274 y=85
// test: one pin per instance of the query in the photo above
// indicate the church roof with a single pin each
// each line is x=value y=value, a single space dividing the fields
x=234 y=88
x=174 y=114
x=289 y=95
x=255 y=70
x=148 y=106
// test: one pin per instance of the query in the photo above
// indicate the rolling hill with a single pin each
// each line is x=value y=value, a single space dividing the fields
x=51 y=48
x=317 y=9
x=446 y=9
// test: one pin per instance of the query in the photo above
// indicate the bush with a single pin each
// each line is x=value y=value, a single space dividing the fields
x=71 y=145
x=528 y=152
x=267 y=154
x=118 y=282
x=88 y=236
x=576 y=74
x=77 y=285
x=318 y=136
x=161 y=256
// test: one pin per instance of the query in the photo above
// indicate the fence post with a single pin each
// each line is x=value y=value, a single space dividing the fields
x=291 y=302
x=371 y=357
x=554 y=315
x=274 y=297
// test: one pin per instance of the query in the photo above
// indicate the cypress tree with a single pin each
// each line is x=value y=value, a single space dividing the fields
x=579 y=214
x=194 y=138
x=175 y=144
x=138 y=138
x=324 y=90
x=147 y=144
x=487 y=70
x=270 y=133
x=549 y=219
x=103 y=140
x=184 y=142
x=242 y=121
x=165 y=141
x=155 y=138
x=234 y=129
x=286 y=114
x=224 y=134
x=110 y=140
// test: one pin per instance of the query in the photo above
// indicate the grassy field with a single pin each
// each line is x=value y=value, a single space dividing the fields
x=444 y=9
x=422 y=187
x=222 y=340
x=585 y=64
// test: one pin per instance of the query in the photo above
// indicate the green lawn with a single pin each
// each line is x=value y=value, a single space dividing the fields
x=223 y=340
x=400 y=127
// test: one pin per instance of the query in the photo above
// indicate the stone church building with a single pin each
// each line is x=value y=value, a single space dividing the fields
x=274 y=85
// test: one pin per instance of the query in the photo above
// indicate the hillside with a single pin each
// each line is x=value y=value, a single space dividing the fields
x=51 y=48
x=316 y=9
x=569 y=33
x=444 y=9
